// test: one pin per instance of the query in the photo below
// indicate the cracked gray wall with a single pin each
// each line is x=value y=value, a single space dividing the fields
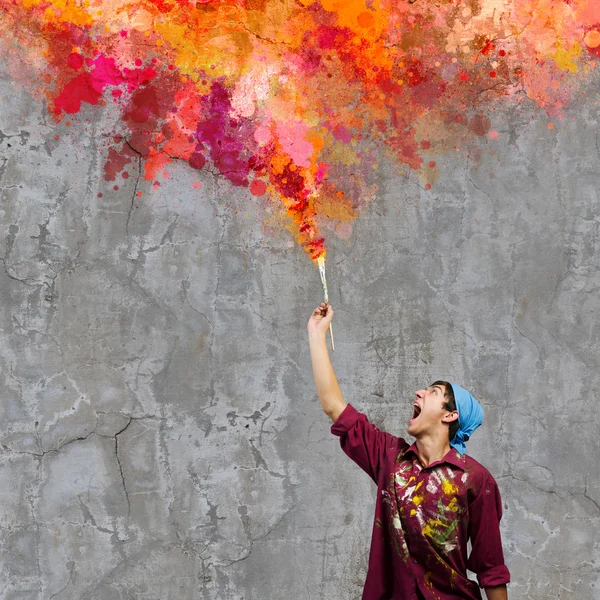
x=160 y=434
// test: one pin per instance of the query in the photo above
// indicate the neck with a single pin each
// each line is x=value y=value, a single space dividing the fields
x=433 y=447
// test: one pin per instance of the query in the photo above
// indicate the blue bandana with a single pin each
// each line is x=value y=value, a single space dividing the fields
x=470 y=417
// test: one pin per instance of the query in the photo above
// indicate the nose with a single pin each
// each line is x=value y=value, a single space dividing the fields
x=419 y=394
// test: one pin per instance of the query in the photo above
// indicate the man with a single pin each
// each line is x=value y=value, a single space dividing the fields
x=432 y=498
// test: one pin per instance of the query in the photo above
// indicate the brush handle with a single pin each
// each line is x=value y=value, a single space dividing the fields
x=321 y=263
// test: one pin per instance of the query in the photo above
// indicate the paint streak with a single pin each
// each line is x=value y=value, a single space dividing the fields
x=300 y=99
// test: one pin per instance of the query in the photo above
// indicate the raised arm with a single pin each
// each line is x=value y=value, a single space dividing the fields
x=328 y=389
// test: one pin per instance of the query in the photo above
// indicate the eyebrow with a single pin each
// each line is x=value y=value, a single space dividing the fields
x=438 y=387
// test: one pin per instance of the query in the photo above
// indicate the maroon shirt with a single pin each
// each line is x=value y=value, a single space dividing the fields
x=424 y=517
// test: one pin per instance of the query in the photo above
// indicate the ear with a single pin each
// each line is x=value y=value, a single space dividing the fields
x=449 y=417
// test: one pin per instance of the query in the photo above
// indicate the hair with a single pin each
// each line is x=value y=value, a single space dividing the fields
x=450 y=405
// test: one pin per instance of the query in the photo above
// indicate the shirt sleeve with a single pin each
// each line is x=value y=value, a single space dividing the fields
x=363 y=442
x=487 y=558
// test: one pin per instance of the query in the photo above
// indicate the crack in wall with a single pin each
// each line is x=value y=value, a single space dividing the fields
x=135 y=187
x=257 y=539
x=116 y=436
x=71 y=569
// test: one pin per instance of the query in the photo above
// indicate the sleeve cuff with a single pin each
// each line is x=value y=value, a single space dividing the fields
x=498 y=575
x=345 y=421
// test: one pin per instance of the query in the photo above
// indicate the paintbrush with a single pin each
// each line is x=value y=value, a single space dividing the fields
x=321 y=263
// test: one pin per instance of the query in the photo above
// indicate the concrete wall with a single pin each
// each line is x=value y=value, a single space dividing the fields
x=160 y=433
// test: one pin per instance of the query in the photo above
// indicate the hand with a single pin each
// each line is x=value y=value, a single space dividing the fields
x=320 y=319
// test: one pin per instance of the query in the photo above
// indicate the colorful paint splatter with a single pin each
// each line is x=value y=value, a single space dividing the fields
x=299 y=99
x=439 y=519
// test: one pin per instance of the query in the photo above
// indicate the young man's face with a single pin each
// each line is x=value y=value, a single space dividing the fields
x=428 y=411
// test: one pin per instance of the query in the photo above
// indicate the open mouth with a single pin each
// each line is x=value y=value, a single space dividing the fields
x=416 y=410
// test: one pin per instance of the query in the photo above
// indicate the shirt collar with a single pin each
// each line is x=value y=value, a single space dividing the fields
x=452 y=457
